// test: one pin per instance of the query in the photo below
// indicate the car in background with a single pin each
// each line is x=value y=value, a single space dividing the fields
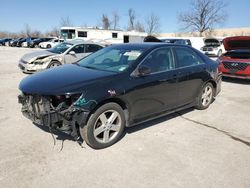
x=4 y=41
x=28 y=41
x=51 y=43
x=63 y=53
x=20 y=42
x=117 y=87
x=35 y=43
x=14 y=42
x=213 y=47
x=178 y=41
x=236 y=61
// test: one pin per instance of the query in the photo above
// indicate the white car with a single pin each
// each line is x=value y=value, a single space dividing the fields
x=63 y=53
x=50 y=43
x=213 y=47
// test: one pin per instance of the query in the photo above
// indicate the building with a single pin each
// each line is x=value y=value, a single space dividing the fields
x=101 y=35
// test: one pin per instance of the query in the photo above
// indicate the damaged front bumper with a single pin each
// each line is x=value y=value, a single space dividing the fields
x=65 y=118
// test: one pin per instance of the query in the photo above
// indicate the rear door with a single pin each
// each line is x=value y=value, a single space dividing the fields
x=192 y=72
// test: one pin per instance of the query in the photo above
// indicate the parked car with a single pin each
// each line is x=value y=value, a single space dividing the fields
x=35 y=43
x=178 y=41
x=4 y=41
x=10 y=42
x=20 y=42
x=236 y=61
x=119 y=86
x=28 y=41
x=14 y=42
x=213 y=47
x=63 y=53
x=51 y=43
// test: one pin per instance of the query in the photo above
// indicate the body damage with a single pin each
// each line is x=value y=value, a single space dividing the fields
x=37 y=61
x=64 y=98
x=67 y=106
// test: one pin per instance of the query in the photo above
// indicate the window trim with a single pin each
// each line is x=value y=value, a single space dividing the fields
x=177 y=62
x=135 y=71
x=85 y=32
x=114 y=35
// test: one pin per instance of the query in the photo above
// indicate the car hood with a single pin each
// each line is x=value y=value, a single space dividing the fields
x=211 y=41
x=64 y=79
x=237 y=43
x=34 y=55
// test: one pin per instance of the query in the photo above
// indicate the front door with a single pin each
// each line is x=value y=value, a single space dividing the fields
x=77 y=55
x=157 y=91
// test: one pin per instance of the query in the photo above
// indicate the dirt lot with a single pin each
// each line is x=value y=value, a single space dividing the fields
x=208 y=148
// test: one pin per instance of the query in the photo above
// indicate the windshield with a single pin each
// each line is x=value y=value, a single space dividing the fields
x=60 y=48
x=115 y=59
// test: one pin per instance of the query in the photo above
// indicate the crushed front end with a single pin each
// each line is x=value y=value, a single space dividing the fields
x=61 y=113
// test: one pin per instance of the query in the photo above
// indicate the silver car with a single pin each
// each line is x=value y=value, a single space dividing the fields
x=66 y=52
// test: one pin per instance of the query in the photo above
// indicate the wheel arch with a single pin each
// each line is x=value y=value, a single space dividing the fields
x=118 y=101
x=214 y=85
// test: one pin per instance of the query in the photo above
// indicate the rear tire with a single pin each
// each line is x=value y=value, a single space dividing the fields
x=104 y=127
x=205 y=97
x=48 y=46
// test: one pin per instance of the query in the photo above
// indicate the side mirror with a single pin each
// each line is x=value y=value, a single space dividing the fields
x=72 y=53
x=143 y=70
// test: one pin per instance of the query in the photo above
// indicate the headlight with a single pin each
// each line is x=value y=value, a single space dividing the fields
x=41 y=61
x=38 y=62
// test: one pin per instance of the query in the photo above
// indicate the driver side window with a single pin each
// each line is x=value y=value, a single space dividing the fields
x=78 y=49
x=159 y=60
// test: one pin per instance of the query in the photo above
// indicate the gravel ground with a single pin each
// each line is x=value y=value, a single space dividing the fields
x=193 y=148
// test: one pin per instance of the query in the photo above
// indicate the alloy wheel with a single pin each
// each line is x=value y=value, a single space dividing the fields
x=107 y=126
x=207 y=95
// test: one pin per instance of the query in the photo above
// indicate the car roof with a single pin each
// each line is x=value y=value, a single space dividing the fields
x=80 y=41
x=147 y=45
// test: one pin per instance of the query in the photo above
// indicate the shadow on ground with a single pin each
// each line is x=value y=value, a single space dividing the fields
x=60 y=136
x=236 y=81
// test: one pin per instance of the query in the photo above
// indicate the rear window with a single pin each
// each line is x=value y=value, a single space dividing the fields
x=239 y=55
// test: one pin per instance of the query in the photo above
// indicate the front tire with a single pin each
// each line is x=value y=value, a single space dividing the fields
x=104 y=127
x=205 y=97
x=48 y=46
x=53 y=64
x=219 y=53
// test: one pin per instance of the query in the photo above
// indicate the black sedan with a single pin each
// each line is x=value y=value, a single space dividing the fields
x=117 y=87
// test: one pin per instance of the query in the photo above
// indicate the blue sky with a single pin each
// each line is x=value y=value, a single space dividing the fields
x=43 y=15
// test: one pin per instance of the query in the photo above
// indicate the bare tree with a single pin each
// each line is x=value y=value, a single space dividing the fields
x=66 y=22
x=115 y=20
x=152 y=23
x=203 y=15
x=35 y=33
x=105 y=21
x=27 y=30
x=139 y=27
x=132 y=17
